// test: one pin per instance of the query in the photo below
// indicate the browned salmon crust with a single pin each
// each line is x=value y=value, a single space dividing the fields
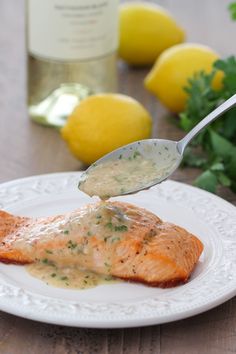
x=151 y=251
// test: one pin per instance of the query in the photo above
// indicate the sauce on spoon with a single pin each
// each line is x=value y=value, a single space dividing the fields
x=126 y=174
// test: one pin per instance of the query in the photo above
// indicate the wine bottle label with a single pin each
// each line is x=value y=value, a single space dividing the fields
x=72 y=29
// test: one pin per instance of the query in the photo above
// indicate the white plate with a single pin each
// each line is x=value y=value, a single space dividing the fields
x=124 y=305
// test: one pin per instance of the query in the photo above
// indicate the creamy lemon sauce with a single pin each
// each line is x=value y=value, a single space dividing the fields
x=115 y=177
x=66 y=247
x=68 y=277
x=72 y=234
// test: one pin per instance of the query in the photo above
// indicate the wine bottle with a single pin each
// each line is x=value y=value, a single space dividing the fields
x=71 y=54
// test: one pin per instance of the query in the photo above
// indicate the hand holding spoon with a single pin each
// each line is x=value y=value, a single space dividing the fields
x=142 y=164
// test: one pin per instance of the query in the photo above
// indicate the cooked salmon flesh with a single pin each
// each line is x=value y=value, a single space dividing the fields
x=113 y=238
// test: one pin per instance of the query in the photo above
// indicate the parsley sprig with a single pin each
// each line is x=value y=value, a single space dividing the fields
x=232 y=10
x=214 y=150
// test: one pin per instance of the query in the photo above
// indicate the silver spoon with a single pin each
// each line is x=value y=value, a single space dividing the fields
x=167 y=154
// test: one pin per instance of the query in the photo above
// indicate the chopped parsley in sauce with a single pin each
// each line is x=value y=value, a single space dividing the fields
x=74 y=252
x=126 y=174
x=71 y=277
x=71 y=244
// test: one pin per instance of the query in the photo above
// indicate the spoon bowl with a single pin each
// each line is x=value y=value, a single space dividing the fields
x=161 y=153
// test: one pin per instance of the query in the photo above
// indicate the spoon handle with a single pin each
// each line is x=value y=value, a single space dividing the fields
x=181 y=145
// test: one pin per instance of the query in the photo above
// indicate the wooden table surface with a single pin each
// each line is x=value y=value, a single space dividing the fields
x=28 y=149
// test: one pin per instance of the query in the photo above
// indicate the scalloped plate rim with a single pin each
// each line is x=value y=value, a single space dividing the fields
x=127 y=322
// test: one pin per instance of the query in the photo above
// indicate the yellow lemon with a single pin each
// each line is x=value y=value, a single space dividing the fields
x=104 y=122
x=145 y=31
x=172 y=70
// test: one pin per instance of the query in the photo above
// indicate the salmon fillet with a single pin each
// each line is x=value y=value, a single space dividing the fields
x=112 y=238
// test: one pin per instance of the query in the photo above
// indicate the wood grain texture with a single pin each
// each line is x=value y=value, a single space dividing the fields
x=26 y=149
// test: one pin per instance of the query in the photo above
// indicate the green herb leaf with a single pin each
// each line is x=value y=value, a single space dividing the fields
x=232 y=10
x=213 y=150
x=47 y=261
x=121 y=228
x=208 y=181
x=218 y=166
x=136 y=154
x=185 y=122
x=72 y=245
x=224 y=180
x=221 y=146
x=109 y=225
x=230 y=167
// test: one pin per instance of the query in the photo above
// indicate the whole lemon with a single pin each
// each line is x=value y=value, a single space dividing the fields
x=172 y=70
x=145 y=31
x=104 y=122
